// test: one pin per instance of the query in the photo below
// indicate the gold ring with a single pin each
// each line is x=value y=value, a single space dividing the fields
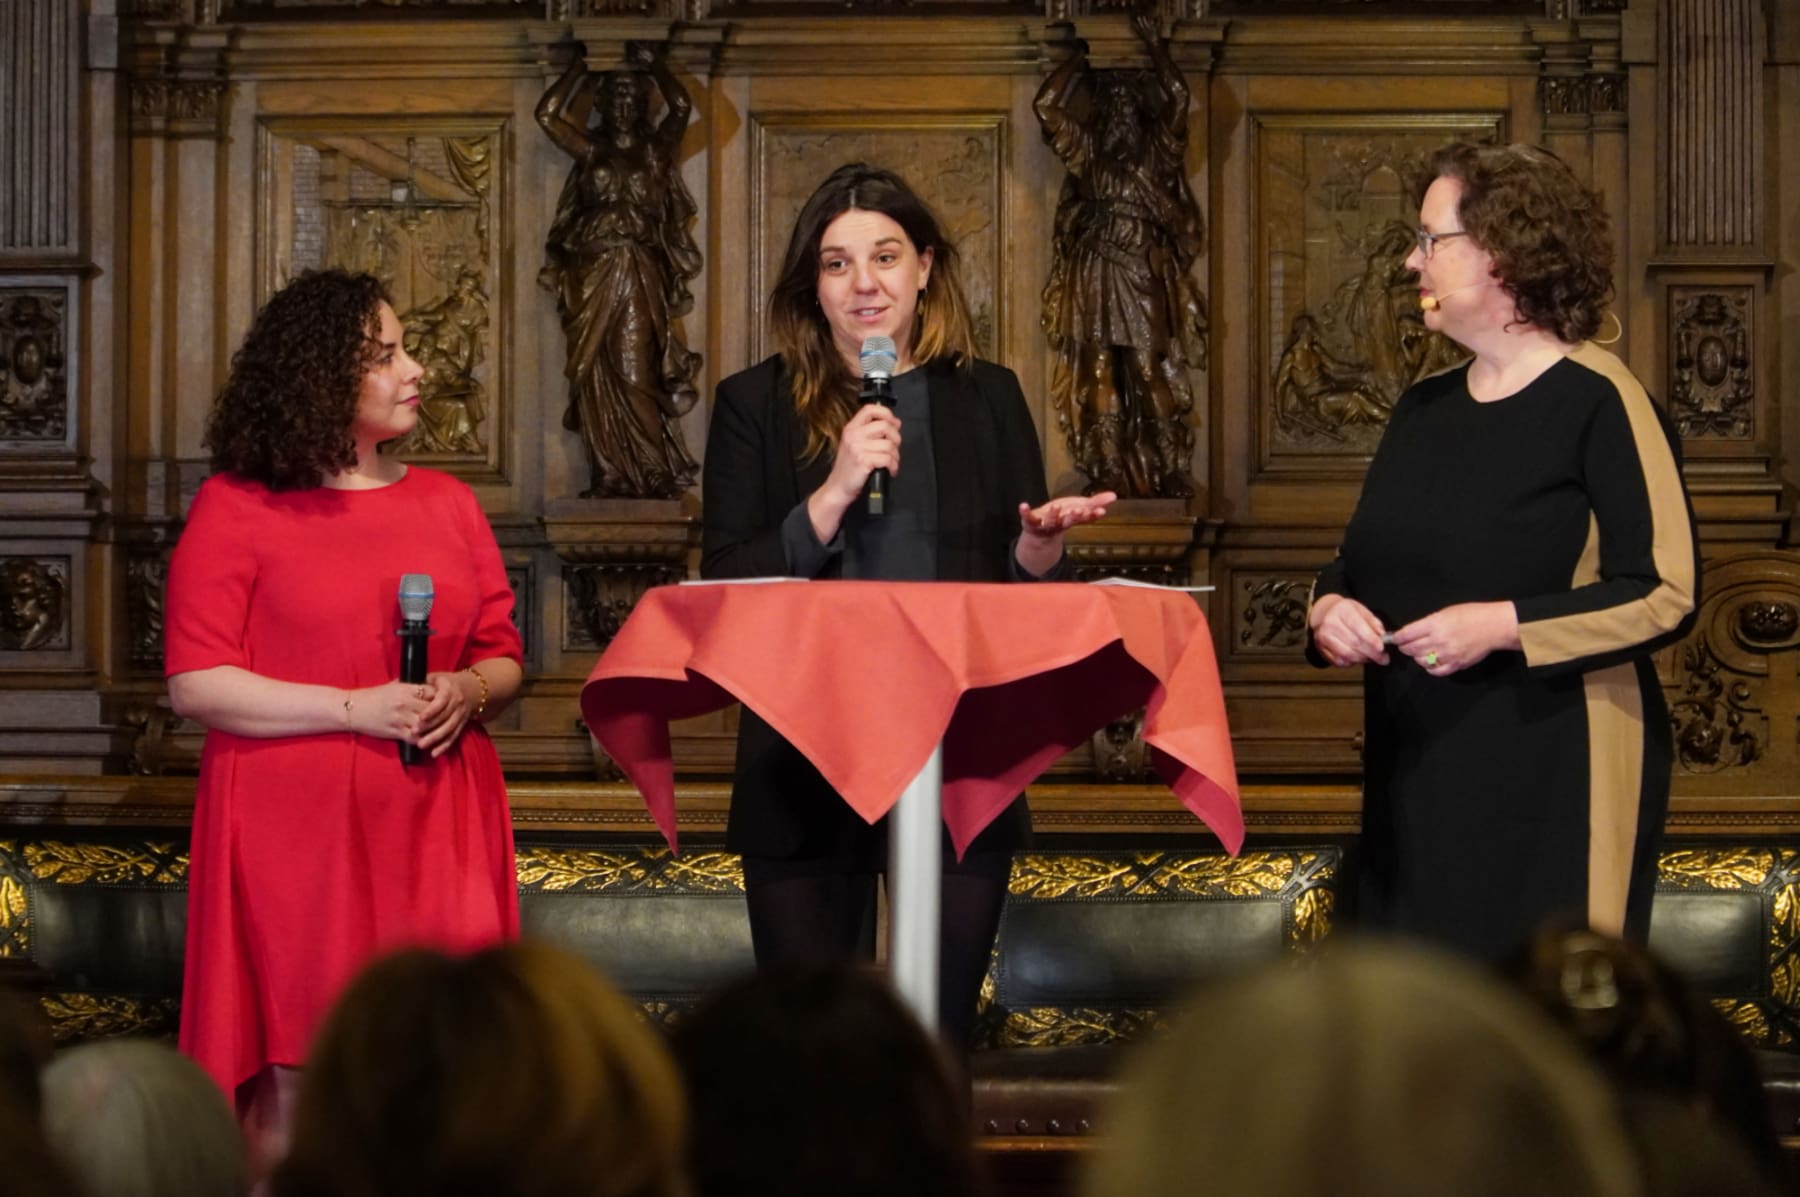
x=1431 y=660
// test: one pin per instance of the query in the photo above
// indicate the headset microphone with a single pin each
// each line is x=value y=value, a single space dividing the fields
x=1431 y=303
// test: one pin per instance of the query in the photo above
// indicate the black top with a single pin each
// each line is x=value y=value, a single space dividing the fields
x=976 y=442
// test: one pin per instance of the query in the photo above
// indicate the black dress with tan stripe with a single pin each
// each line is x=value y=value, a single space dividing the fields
x=1533 y=785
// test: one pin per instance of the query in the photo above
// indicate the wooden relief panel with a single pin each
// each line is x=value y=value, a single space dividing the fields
x=35 y=336
x=1733 y=686
x=1268 y=613
x=1710 y=122
x=1712 y=390
x=415 y=206
x=953 y=162
x=34 y=604
x=1343 y=335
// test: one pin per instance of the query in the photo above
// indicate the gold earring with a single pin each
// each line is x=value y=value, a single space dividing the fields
x=1617 y=323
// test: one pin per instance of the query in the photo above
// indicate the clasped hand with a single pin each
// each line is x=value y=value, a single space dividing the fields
x=1445 y=642
x=430 y=714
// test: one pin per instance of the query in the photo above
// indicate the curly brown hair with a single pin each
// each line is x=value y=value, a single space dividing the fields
x=1548 y=232
x=284 y=416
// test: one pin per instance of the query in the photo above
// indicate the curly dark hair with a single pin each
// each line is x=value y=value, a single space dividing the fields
x=1548 y=232
x=284 y=416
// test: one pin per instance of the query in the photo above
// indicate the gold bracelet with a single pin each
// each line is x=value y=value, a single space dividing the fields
x=482 y=705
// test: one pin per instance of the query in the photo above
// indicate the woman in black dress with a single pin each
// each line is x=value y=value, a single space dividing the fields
x=1522 y=545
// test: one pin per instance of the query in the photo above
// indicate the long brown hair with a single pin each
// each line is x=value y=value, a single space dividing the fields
x=824 y=388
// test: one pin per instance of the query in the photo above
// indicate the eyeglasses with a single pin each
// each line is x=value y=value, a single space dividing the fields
x=1428 y=241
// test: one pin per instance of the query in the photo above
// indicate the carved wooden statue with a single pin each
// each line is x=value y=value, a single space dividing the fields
x=620 y=257
x=1121 y=308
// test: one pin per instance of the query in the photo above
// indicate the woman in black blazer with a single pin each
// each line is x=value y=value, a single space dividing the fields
x=787 y=455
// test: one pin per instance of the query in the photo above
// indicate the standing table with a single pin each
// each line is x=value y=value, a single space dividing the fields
x=920 y=696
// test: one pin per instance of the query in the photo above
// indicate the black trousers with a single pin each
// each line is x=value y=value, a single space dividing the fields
x=827 y=914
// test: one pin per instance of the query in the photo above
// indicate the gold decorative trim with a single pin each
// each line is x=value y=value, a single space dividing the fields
x=76 y=1017
x=149 y=863
x=1774 y=1021
x=15 y=918
x=1302 y=879
x=543 y=869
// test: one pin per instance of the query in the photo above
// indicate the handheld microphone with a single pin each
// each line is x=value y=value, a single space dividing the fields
x=878 y=357
x=415 y=609
x=1431 y=303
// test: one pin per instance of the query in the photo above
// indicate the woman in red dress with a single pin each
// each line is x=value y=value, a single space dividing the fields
x=314 y=847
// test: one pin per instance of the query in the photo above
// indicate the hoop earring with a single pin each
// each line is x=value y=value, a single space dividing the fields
x=1617 y=323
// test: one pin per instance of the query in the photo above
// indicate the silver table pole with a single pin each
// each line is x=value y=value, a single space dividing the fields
x=915 y=888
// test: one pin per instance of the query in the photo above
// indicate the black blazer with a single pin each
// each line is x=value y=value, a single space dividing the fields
x=987 y=462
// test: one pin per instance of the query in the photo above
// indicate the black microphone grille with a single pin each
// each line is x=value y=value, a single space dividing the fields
x=416 y=594
x=879 y=357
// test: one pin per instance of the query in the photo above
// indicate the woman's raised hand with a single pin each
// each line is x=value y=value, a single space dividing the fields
x=1041 y=529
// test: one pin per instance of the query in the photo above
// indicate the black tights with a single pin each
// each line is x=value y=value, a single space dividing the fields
x=833 y=917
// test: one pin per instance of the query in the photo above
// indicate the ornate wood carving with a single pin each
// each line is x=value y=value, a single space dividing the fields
x=524 y=603
x=146 y=580
x=1564 y=95
x=1718 y=724
x=1120 y=754
x=34 y=603
x=162 y=107
x=1271 y=614
x=34 y=392
x=1712 y=392
x=1710 y=75
x=621 y=253
x=1733 y=685
x=415 y=205
x=40 y=134
x=599 y=597
x=1338 y=215
x=1121 y=308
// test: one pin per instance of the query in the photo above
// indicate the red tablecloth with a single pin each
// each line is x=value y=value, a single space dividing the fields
x=865 y=677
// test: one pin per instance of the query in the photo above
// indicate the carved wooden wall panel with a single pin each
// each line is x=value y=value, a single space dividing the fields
x=955 y=162
x=1733 y=685
x=40 y=132
x=256 y=137
x=1344 y=335
x=416 y=204
x=1712 y=88
x=36 y=358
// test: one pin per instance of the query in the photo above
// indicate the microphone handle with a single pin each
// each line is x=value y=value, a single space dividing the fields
x=876 y=390
x=414 y=635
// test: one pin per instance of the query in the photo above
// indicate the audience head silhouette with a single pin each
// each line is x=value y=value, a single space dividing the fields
x=1692 y=1096
x=1371 y=1070
x=513 y=1072
x=136 y=1118
x=813 y=1080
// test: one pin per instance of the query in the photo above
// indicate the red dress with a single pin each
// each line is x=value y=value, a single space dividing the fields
x=313 y=854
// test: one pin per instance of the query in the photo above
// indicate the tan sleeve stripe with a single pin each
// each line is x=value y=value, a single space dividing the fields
x=1549 y=641
x=1615 y=713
